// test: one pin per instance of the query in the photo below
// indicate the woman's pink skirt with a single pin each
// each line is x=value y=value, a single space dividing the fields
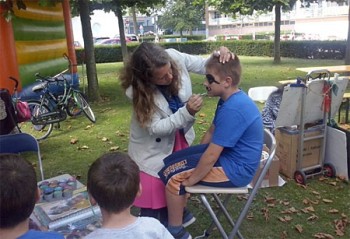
x=153 y=192
x=153 y=189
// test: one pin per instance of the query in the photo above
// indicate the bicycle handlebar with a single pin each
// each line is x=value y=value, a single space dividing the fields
x=15 y=80
x=49 y=78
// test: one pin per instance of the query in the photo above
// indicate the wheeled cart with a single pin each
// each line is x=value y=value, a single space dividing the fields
x=306 y=106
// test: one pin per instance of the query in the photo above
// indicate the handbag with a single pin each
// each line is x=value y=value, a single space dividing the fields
x=22 y=111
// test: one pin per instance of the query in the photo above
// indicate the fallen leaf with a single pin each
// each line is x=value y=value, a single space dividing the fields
x=114 y=148
x=104 y=139
x=333 y=183
x=250 y=216
x=202 y=115
x=308 y=209
x=312 y=217
x=270 y=199
x=120 y=133
x=284 y=235
x=327 y=200
x=302 y=185
x=315 y=192
x=285 y=219
x=88 y=127
x=266 y=214
x=323 y=235
x=241 y=197
x=333 y=211
x=299 y=228
x=290 y=211
x=73 y=141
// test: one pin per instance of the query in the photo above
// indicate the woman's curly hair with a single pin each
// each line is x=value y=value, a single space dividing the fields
x=138 y=73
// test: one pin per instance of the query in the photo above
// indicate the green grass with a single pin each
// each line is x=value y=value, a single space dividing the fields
x=111 y=133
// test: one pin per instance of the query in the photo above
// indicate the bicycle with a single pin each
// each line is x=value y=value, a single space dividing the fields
x=54 y=108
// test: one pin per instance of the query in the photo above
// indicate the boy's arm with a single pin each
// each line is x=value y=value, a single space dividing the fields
x=205 y=164
x=207 y=136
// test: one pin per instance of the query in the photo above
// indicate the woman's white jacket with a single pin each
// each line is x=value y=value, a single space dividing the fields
x=148 y=146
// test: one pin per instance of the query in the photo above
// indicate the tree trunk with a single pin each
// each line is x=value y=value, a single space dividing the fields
x=347 y=50
x=119 y=15
x=93 y=90
x=134 y=19
x=277 y=42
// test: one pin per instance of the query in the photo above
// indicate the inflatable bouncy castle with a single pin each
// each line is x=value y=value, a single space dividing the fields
x=35 y=40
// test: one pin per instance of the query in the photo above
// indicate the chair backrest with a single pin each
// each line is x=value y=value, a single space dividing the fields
x=270 y=142
x=19 y=143
x=261 y=93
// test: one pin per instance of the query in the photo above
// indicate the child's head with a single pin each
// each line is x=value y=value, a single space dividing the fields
x=232 y=68
x=18 y=190
x=113 y=181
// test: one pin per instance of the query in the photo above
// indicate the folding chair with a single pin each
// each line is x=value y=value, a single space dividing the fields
x=270 y=142
x=261 y=93
x=19 y=143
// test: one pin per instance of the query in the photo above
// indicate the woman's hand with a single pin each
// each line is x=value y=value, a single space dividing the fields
x=224 y=54
x=194 y=104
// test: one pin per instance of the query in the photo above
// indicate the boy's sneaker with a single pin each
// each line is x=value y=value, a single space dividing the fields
x=179 y=233
x=187 y=218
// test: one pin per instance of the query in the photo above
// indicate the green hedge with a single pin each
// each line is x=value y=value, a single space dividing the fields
x=295 y=49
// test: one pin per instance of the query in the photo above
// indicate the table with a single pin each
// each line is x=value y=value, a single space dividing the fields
x=287 y=81
x=332 y=69
x=346 y=102
x=76 y=228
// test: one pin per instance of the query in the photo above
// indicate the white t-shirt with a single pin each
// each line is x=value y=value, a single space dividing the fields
x=143 y=227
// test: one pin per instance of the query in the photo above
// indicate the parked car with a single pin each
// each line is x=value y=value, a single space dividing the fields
x=132 y=37
x=77 y=45
x=168 y=32
x=98 y=39
x=149 y=33
x=111 y=41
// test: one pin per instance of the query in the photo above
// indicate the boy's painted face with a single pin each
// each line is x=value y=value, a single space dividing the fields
x=211 y=79
x=163 y=75
x=212 y=82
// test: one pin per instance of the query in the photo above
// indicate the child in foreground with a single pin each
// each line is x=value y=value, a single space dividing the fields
x=18 y=194
x=113 y=183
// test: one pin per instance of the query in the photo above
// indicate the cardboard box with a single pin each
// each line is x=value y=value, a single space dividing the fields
x=287 y=149
x=271 y=177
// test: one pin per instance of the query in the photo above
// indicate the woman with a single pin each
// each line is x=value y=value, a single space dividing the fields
x=272 y=107
x=159 y=84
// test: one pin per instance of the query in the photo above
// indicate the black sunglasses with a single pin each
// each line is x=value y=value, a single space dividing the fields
x=211 y=79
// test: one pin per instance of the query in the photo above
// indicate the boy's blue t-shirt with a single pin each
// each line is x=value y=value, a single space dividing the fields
x=32 y=234
x=239 y=129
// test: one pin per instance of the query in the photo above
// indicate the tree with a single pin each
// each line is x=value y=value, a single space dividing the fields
x=118 y=7
x=247 y=7
x=182 y=15
x=347 y=53
x=89 y=50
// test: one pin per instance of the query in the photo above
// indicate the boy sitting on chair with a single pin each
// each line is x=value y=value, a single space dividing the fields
x=113 y=183
x=18 y=194
x=230 y=151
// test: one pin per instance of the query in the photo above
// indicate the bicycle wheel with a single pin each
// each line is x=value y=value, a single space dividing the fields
x=38 y=131
x=84 y=105
x=73 y=108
